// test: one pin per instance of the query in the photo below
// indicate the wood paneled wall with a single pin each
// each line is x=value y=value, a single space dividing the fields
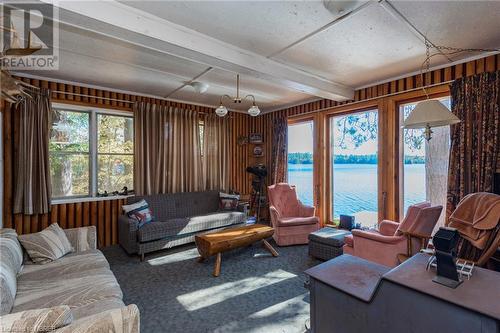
x=104 y=214
x=381 y=95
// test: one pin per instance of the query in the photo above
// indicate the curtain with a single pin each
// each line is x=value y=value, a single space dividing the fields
x=32 y=190
x=216 y=152
x=279 y=156
x=475 y=141
x=167 y=150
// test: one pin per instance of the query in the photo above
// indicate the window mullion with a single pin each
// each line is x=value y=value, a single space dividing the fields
x=93 y=153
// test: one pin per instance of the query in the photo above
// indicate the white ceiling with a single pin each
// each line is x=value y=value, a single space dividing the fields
x=287 y=52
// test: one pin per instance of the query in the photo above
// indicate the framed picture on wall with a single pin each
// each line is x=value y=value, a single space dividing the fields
x=257 y=151
x=255 y=138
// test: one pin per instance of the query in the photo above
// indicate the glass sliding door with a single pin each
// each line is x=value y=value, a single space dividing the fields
x=424 y=164
x=354 y=167
x=301 y=159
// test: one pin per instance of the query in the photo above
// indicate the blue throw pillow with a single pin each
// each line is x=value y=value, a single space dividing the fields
x=139 y=211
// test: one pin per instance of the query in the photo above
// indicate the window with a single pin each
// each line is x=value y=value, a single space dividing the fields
x=115 y=153
x=424 y=164
x=354 y=166
x=91 y=151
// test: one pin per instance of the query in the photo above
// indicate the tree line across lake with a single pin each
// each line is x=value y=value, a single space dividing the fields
x=307 y=158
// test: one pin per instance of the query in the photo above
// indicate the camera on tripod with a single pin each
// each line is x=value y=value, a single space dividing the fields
x=259 y=172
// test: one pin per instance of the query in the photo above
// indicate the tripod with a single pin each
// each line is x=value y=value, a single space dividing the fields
x=257 y=184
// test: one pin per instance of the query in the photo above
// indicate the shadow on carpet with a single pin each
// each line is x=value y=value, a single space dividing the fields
x=255 y=292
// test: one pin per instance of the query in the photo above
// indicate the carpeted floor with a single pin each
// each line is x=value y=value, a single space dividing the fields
x=254 y=293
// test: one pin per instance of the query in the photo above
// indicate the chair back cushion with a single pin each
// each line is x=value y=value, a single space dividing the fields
x=420 y=219
x=169 y=206
x=411 y=217
x=284 y=198
x=11 y=260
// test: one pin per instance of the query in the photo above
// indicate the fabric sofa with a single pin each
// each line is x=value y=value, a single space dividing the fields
x=81 y=280
x=178 y=218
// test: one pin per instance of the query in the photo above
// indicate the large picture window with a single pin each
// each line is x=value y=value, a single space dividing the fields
x=91 y=152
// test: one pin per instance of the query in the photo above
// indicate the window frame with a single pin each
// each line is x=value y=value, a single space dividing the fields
x=93 y=149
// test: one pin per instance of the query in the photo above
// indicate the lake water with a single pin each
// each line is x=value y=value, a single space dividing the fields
x=355 y=186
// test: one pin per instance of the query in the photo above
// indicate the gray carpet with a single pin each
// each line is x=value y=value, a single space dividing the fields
x=254 y=293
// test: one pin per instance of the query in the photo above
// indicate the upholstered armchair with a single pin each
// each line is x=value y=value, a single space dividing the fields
x=292 y=221
x=392 y=238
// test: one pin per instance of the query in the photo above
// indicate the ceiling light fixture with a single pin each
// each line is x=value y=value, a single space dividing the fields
x=432 y=113
x=253 y=111
x=199 y=87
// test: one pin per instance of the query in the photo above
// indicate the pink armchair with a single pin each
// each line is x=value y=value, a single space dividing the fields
x=392 y=238
x=292 y=221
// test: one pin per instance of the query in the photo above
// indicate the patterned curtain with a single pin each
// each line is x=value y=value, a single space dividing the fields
x=167 y=150
x=32 y=191
x=475 y=141
x=279 y=162
x=216 y=152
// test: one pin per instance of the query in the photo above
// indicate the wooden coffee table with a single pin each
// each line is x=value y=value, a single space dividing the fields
x=221 y=241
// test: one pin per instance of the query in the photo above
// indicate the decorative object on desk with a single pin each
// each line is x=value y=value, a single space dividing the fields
x=255 y=138
x=258 y=152
x=242 y=140
x=445 y=242
x=346 y=222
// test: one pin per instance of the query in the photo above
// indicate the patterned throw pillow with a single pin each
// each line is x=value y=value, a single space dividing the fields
x=139 y=211
x=37 y=320
x=228 y=201
x=47 y=245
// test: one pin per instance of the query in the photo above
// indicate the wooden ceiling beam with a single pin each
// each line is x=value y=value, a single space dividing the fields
x=117 y=20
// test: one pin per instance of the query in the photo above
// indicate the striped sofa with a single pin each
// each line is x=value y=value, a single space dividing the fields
x=80 y=283
x=178 y=217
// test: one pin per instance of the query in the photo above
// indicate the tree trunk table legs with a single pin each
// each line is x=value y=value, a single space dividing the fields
x=217 y=264
x=270 y=248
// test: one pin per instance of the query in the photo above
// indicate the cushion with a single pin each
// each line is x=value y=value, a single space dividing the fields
x=11 y=260
x=10 y=249
x=182 y=226
x=139 y=211
x=8 y=288
x=39 y=320
x=86 y=293
x=228 y=201
x=292 y=221
x=47 y=245
x=329 y=236
x=178 y=205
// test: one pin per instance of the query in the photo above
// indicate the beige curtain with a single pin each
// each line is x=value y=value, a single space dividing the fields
x=167 y=150
x=216 y=153
x=32 y=189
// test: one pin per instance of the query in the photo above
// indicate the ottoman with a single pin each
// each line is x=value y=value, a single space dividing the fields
x=327 y=243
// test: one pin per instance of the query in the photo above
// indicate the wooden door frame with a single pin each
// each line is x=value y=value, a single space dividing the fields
x=393 y=105
x=346 y=110
x=317 y=152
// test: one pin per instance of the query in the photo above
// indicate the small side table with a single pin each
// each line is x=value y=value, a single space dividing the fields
x=327 y=243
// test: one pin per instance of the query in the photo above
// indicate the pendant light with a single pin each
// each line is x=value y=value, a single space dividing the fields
x=431 y=112
x=253 y=111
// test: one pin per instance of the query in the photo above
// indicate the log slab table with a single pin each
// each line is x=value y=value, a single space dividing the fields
x=217 y=242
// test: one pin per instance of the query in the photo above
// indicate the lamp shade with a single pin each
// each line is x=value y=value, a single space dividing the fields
x=430 y=113
x=254 y=111
x=221 y=111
